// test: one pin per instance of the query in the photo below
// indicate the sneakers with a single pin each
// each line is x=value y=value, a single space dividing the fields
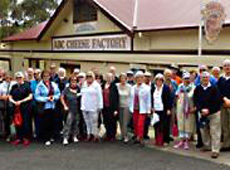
x=179 y=145
x=65 y=141
x=186 y=146
x=215 y=155
x=75 y=139
x=126 y=140
x=16 y=142
x=48 y=143
x=26 y=142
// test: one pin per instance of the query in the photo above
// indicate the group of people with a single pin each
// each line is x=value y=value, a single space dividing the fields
x=48 y=106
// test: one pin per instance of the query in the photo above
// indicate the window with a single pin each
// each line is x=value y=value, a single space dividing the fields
x=84 y=12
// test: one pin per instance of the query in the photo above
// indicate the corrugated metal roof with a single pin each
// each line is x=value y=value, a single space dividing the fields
x=28 y=34
x=159 y=14
x=151 y=15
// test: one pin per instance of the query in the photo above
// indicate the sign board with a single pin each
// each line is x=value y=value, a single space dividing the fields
x=118 y=42
x=214 y=16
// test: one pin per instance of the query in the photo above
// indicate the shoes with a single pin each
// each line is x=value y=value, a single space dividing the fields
x=199 y=145
x=224 y=149
x=48 y=143
x=65 y=141
x=186 y=146
x=146 y=137
x=75 y=139
x=26 y=142
x=16 y=142
x=215 y=155
x=126 y=140
x=96 y=139
x=179 y=145
x=166 y=144
x=136 y=142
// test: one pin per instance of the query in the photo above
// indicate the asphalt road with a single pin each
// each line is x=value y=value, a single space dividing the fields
x=96 y=156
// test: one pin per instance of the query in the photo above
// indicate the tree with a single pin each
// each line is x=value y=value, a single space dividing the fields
x=16 y=17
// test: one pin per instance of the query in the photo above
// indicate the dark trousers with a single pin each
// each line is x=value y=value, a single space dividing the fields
x=146 y=127
x=162 y=128
x=8 y=120
x=48 y=123
x=36 y=119
x=110 y=122
x=82 y=126
x=24 y=131
x=199 y=137
x=59 y=119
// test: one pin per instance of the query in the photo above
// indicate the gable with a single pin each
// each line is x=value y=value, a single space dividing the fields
x=64 y=24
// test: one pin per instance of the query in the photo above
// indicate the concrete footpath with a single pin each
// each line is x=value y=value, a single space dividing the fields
x=224 y=157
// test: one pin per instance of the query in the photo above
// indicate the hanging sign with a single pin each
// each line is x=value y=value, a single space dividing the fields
x=214 y=16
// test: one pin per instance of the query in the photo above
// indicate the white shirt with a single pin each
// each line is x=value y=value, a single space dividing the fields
x=4 y=87
x=157 y=99
x=144 y=94
x=205 y=87
x=91 y=99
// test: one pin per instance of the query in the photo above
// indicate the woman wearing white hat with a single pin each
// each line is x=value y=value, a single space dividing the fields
x=161 y=104
x=185 y=111
x=140 y=105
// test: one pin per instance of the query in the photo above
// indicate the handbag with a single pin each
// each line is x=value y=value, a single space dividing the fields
x=17 y=119
x=102 y=129
x=155 y=118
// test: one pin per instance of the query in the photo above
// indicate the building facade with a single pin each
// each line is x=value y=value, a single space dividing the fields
x=150 y=35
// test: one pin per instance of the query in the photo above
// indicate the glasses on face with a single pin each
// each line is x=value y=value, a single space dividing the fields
x=89 y=77
x=18 y=77
x=203 y=70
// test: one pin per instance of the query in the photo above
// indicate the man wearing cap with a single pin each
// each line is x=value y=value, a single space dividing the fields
x=224 y=87
x=76 y=71
x=203 y=68
x=207 y=100
x=130 y=77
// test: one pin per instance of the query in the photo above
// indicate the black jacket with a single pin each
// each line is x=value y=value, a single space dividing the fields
x=166 y=97
x=207 y=99
x=113 y=97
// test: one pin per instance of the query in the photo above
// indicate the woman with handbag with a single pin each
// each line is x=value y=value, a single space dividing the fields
x=20 y=96
x=91 y=105
x=185 y=111
x=161 y=105
x=47 y=93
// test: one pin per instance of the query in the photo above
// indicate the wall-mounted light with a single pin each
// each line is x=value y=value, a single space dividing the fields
x=140 y=34
x=2 y=45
